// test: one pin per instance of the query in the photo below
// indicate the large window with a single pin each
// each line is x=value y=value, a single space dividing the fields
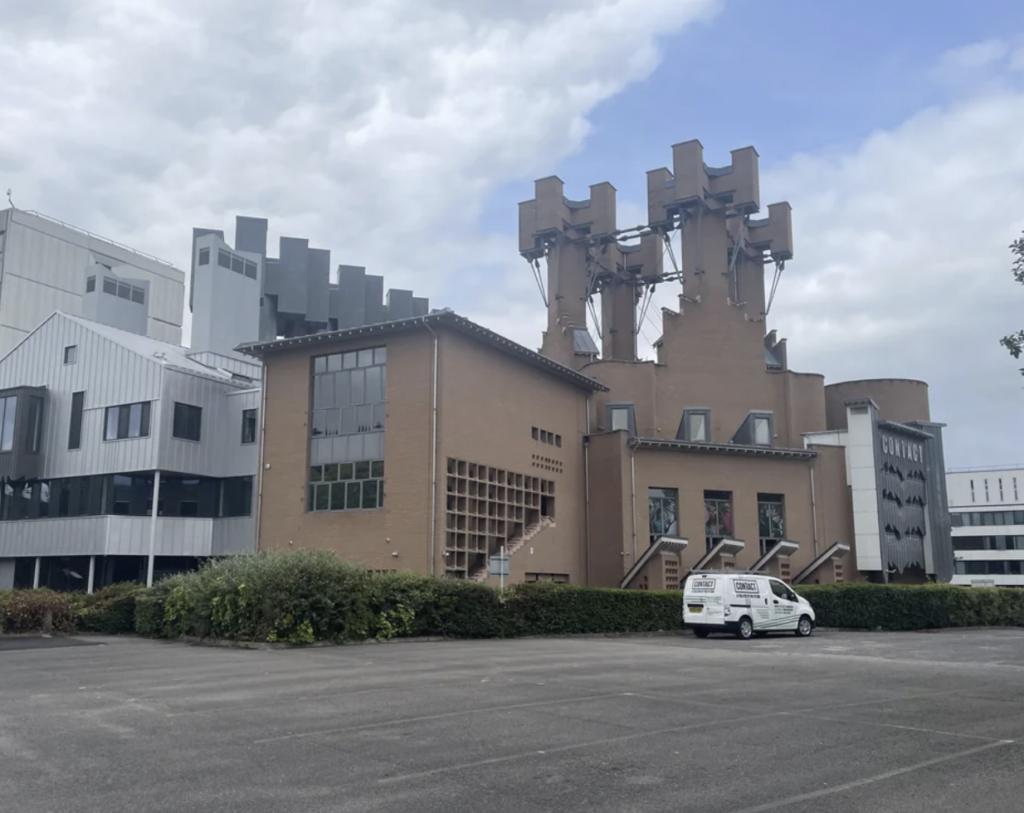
x=988 y=543
x=8 y=412
x=980 y=518
x=346 y=446
x=663 y=512
x=249 y=425
x=771 y=520
x=126 y=421
x=75 y=424
x=717 y=517
x=347 y=486
x=188 y=422
x=989 y=568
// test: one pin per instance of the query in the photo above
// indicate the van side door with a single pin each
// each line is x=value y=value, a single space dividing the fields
x=785 y=606
x=748 y=593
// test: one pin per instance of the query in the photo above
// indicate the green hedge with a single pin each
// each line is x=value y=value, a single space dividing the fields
x=304 y=597
x=24 y=611
x=913 y=607
x=110 y=610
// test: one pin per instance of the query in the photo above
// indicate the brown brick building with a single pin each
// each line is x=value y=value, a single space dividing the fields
x=429 y=443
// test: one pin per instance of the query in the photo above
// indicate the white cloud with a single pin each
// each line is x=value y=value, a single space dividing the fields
x=376 y=129
x=902 y=267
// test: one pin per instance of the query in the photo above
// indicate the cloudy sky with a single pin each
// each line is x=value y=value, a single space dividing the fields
x=401 y=133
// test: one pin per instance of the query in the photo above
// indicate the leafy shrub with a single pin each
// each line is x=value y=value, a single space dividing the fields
x=913 y=607
x=304 y=596
x=27 y=610
x=549 y=609
x=150 y=610
x=110 y=610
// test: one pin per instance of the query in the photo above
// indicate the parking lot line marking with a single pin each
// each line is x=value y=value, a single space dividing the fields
x=442 y=716
x=870 y=780
x=561 y=749
x=859 y=703
x=896 y=725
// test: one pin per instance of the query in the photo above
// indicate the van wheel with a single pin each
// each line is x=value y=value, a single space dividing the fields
x=701 y=633
x=804 y=626
x=746 y=629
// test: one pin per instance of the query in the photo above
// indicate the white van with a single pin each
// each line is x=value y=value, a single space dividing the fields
x=745 y=604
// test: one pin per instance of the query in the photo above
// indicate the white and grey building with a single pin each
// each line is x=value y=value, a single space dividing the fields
x=122 y=458
x=41 y=271
x=987 y=512
x=123 y=455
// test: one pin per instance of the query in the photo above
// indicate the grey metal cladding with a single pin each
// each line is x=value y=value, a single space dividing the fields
x=351 y=296
x=399 y=305
x=251 y=235
x=940 y=537
x=294 y=257
x=196 y=234
x=373 y=301
x=6 y=565
x=317 y=285
x=273 y=276
x=420 y=306
x=583 y=342
x=745 y=434
x=219 y=451
x=108 y=373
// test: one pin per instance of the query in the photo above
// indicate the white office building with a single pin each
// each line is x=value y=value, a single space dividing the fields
x=987 y=513
x=41 y=271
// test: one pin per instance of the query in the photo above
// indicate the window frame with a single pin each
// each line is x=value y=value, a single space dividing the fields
x=7 y=439
x=203 y=257
x=767 y=417
x=145 y=421
x=70 y=354
x=684 y=432
x=781 y=502
x=180 y=419
x=630 y=410
x=247 y=415
x=729 y=526
x=656 y=504
x=75 y=420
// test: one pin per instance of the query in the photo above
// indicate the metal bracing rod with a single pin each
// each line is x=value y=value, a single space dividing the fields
x=779 y=267
x=593 y=313
x=737 y=245
x=535 y=267
x=645 y=304
x=671 y=252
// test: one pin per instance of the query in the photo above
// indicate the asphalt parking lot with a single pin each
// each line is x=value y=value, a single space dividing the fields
x=837 y=722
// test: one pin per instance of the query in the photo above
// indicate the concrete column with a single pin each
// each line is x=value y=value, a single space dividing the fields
x=35 y=575
x=92 y=574
x=152 y=529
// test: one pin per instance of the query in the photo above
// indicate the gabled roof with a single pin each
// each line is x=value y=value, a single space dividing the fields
x=168 y=355
x=445 y=318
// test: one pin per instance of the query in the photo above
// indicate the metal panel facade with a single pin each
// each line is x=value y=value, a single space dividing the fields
x=44 y=271
x=220 y=451
x=108 y=373
x=122 y=536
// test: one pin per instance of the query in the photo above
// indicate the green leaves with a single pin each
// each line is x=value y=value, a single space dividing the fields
x=303 y=597
x=913 y=607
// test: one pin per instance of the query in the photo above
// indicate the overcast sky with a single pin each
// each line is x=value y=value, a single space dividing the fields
x=401 y=133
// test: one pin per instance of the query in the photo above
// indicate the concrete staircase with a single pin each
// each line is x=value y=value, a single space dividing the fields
x=482 y=573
